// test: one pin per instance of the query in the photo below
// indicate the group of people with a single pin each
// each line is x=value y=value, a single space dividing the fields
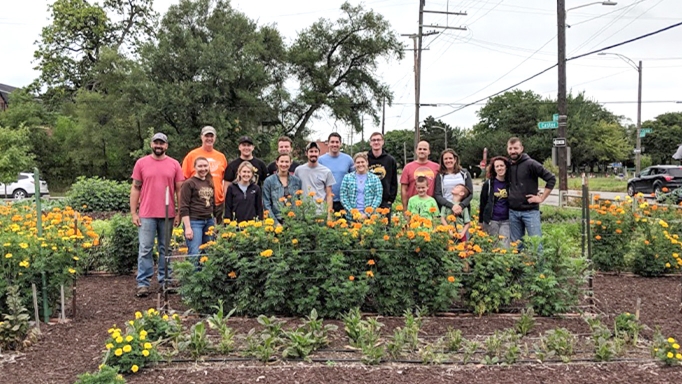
x=208 y=190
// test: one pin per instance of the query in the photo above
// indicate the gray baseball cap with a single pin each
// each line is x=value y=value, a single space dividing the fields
x=159 y=136
x=208 y=129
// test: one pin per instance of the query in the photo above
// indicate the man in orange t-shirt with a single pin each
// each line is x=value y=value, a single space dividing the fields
x=217 y=162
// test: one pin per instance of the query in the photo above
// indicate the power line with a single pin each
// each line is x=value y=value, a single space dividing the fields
x=626 y=25
x=569 y=59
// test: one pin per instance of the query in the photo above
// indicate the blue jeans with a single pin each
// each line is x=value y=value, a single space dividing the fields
x=199 y=227
x=521 y=222
x=152 y=228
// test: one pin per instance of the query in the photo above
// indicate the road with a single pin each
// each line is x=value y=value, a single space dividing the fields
x=553 y=198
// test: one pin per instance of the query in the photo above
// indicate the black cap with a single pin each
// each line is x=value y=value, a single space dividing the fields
x=245 y=139
x=312 y=144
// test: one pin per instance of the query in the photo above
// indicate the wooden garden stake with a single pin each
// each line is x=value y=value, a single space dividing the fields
x=62 y=315
x=638 y=306
x=35 y=305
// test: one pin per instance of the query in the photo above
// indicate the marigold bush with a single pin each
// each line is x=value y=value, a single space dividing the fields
x=24 y=256
x=334 y=265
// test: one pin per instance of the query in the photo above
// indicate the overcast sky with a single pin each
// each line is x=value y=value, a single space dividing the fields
x=505 y=42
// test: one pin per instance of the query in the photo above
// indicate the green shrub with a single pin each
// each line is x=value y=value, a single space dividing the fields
x=99 y=195
x=105 y=375
x=119 y=245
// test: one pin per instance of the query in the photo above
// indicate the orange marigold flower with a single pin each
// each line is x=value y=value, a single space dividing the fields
x=311 y=193
x=351 y=278
x=619 y=231
x=299 y=192
x=399 y=207
x=369 y=210
x=203 y=259
x=232 y=275
x=433 y=209
x=319 y=200
x=291 y=214
x=646 y=242
x=370 y=262
x=451 y=279
x=417 y=250
x=369 y=274
x=299 y=203
x=387 y=237
x=598 y=237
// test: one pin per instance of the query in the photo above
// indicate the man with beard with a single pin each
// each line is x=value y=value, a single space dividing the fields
x=524 y=201
x=339 y=163
x=260 y=170
x=152 y=175
x=284 y=147
x=316 y=178
x=385 y=168
x=422 y=166
x=217 y=163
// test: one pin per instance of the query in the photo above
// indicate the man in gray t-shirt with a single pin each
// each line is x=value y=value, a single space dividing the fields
x=316 y=178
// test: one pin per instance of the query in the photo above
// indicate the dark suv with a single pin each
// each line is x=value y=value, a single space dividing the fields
x=655 y=178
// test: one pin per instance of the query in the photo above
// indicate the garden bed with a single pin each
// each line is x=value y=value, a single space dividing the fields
x=66 y=350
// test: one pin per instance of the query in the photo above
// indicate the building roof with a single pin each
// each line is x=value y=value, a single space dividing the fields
x=5 y=90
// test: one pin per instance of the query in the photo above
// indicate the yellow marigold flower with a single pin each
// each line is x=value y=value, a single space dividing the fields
x=152 y=311
x=8 y=256
x=143 y=338
x=369 y=274
x=138 y=315
x=147 y=345
x=165 y=317
x=670 y=355
x=143 y=333
x=109 y=346
x=279 y=229
x=75 y=258
x=119 y=340
x=678 y=356
x=542 y=275
x=663 y=224
x=131 y=322
x=676 y=346
x=23 y=245
x=294 y=241
x=451 y=279
x=118 y=352
x=269 y=221
x=72 y=271
x=667 y=265
x=127 y=348
x=203 y=259
x=145 y=353
x=129 y=338
x=134 y=368
x=671 y=340
x=24 y=264
x=617 y=198
x=266 y=253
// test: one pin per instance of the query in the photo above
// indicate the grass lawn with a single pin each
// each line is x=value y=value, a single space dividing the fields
x=602 y=184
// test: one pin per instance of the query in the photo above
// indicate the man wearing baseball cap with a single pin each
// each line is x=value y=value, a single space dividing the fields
x=217 y=163
x=260 y=170
x=152 y=175
x=316 y=178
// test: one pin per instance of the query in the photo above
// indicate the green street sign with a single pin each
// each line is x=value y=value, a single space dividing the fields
x=555 y=117
x=548 y=125
x=644 y=131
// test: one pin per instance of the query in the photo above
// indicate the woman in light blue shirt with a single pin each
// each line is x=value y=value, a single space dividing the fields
x=360 y=189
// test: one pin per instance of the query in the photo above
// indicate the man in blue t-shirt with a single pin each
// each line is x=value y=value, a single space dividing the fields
x=339 y=163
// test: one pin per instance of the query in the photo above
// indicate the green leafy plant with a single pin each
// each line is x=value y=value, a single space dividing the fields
x=130 y=350
x=120 y=245
x=310 y=336
x=218 y=321
x=105 y=375
x=666 y=350
x=492 y=282
x=96 y=194
x=453 y=340
x=558 y=342
x=196 y=341
x=354 y=326
x=432 y=353
x=470 y=349
x=264 y=345
x=526 y=322
x=627 y=327
x=15 y=331
x=370 y=344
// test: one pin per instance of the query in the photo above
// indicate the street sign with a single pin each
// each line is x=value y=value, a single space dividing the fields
x=644 y=131
x=559 y=141
x=555 y=117
x=548 y=125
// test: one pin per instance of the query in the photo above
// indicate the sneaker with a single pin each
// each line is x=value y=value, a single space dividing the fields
x=142 y=292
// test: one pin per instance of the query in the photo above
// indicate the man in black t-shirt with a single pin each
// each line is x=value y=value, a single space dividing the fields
x=284 y=147
x=260 y=170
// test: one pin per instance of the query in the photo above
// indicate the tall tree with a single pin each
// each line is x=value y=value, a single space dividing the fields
x=213 y=65
x=334 y=65
x=70 y=46
x=435 y=132
x=665 y=137
x=14 y=154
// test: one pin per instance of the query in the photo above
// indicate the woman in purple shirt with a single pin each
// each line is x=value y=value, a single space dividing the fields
x=494 y=208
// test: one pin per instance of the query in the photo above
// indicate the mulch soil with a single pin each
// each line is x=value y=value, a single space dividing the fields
x=66 y=350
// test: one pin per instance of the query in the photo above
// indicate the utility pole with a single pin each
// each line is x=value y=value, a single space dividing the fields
x=383 y=117
x=561 y=97
x=638 y=151
x=417 y=42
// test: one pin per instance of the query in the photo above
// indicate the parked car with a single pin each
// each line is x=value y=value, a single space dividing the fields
x=655 y=179
x=23 y=187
